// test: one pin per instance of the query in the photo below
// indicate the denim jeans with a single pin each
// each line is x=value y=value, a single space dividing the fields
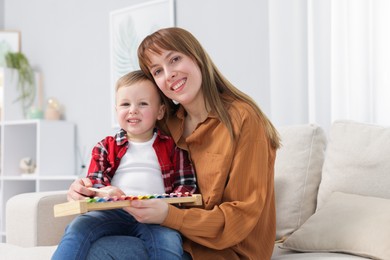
x=117 y=248
x=155 y=241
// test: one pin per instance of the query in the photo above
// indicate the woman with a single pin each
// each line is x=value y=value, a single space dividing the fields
x=232 y=145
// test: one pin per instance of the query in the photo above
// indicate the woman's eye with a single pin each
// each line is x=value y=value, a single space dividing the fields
x=175 y=59
x=156 y=72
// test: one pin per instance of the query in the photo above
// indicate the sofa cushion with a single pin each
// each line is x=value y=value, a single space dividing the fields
x=297 y=175
x=286 y=254
x=347 y=223
x=357 y=161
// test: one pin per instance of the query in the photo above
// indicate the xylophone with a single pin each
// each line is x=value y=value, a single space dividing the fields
x=106 y=203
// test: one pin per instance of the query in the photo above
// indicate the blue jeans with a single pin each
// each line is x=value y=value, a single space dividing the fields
x=121 y=248
x=157 y=242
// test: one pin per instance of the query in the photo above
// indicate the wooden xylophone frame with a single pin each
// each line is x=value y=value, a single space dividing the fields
x=84 y=206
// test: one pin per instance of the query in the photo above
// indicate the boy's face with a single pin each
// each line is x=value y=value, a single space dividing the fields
x=138 y=106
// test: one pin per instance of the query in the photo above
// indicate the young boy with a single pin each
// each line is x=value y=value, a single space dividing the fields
x=138 y=160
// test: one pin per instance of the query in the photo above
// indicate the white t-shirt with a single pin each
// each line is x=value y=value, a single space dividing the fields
x=139 y=172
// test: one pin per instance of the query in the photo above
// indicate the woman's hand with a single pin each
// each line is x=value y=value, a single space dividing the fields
x=79 y=189
x=153 y=211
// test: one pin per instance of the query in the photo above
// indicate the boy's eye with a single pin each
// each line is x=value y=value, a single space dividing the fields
x=143 y=104
x=125 y=104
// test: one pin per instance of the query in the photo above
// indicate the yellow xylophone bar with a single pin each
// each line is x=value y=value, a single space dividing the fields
x=83 y=206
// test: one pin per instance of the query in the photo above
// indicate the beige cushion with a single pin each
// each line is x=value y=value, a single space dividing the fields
x=357 y=161
x=286 y=254
x=297 y=175
x=348 y=223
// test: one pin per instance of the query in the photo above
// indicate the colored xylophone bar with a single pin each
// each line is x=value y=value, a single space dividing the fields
x=98 y=203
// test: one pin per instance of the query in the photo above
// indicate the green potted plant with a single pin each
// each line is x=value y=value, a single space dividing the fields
x=26 y=78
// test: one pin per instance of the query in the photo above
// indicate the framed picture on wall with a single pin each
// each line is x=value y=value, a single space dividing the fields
x=128 y=27
x=9 y=42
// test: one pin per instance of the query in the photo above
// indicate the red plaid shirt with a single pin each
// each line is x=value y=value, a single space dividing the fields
x=176 y=168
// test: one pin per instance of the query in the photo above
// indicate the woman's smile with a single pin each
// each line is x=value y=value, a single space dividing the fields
x=177 y=86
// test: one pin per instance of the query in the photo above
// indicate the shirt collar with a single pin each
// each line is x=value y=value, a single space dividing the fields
x=181 y=112
x=121 y=136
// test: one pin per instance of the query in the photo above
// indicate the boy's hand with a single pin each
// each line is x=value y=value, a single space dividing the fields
x=79 y=189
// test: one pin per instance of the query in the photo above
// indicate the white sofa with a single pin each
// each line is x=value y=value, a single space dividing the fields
x=332 y=199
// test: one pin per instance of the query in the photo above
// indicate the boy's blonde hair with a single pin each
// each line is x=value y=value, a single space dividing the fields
x=131 y=78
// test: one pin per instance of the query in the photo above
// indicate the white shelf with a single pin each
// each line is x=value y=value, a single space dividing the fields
x=39 y=178
x=57 y=178
x=50 y=144
x=21 y=122
x=18 y=178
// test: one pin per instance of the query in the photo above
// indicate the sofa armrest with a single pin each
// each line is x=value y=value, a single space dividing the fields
x=30 y=219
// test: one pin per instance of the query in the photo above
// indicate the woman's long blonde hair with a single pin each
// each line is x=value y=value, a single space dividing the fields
x=213 y=82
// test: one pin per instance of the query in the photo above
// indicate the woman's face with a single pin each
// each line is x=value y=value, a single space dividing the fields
x=177 y=75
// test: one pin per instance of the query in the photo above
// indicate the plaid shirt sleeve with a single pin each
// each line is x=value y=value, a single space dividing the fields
x=184 y=173
x=99 y=171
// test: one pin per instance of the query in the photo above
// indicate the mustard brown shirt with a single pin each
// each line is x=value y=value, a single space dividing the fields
x=236 y=180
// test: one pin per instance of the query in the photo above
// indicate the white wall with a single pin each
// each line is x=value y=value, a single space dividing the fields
x=288 y=63
x=235 y=34
x=1 y=14
x=68 y=40
x=299 y=40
